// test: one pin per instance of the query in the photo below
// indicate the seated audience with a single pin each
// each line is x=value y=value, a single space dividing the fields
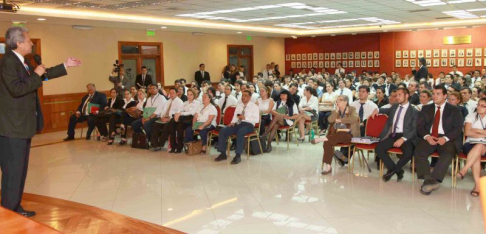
x=133 y=92
x=206 y=118
x=425 y=99
x=265 y=104
x=84 y=114
x=392 y=99
x=414 y=98
x=156 y=101
x=364 y=106
x=308 y=107
x=161 y=127
x=116 y=117
x=114 y=103
x=181 y=90
x=467 y=102
x=133 y=111
x=228 y=99
x=455 y=99
x=381 y=99
x=182 y=121
x=293 y=89
x=326 y=104
x=245 y=117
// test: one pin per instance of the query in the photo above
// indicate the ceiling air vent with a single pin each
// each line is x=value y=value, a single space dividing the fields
x=445 y=17
x=420 y=10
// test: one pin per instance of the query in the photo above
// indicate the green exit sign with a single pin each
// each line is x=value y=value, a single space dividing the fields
x=22 y=24
x=150 y=33
x=248 y=38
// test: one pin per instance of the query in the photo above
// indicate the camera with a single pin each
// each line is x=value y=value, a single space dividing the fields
x=117 y=66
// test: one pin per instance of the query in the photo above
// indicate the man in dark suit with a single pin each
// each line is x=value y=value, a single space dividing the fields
x=449 y=82
x=422 y=72
x=201 y=75
x=85 y=114
x=143 y=80
x=20 y=112
x=389 y=86
x=400 y=131
x=414 y=96
x=439 y=127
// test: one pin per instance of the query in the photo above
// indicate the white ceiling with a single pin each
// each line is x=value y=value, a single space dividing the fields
x=300 y=17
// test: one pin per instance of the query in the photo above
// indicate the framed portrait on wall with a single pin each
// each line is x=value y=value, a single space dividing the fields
x=304 y=64
x=377 y=63
x=398 y=54
x=436 y=53
x=428 y=62
x=469 y=62
x=469 y=53
x=460 y=53
x=326 y=56
x=292 y=65
x=333 y=56
x=443 y=62
x=363 y=63
x=321 y=64
x=460 y=62
x=452 y=53
x=398 y=63
x=452 y=62
x=436 y=63
x=350 y=55
x=357 y=63
x=299 y=57
x=309 y=64
x=405 y=54
x=376 y=55
x=351 y=63
x=405 y=63
x=309 y=56
x=326 y=64
x=484 y=61
x=370 y=54
x=345 y=55
x=304 y=56
x=413 y=54
x=413 y=62
x=477 y=62
x=363 y=55
x=292 y=57
x=333 y=64
x=321 y=56
x=345 y=63
x=370 y=62
x=314 y=64
x=314 y=56
x=478 y=52
x=420 y=53
x=338 y=55
x=428 y=53
x=299 y=65
x=444 y=53
x=287 y=57
x=356 y=55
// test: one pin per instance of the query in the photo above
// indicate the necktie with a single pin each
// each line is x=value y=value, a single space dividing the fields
x=168 y=110
x=361 y=112
x=224 y=103
x=143 y=80
x=342 y=90
x=202 y=74
x=394 y=133
x=85 y=106
x=27 y=68
x=435 y=127
x=236 y=95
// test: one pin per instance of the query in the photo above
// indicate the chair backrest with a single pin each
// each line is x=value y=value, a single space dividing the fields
x=218 y=117
x=374 y=126
x=228 y=115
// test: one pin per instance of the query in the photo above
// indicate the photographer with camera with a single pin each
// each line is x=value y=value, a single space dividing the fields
x=118 y=78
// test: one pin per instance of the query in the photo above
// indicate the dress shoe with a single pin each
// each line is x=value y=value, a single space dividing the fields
x=269 y=148
x=122 y=142
x=400 y=175
x=388 y=175
x=429 y=186
x=68 y=139
x=172 y=151
x=26 y=213
x=110 y=142
x=88 y=138
x=177 y=151
x=221 y=157
x=327 y=172
x=98 y=138
x=236 y=159
x=153 y=149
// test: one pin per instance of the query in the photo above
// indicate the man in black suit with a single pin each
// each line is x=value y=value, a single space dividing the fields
x=439 y=127
x=84 y=114
x=389 y=86
x=20 y=112
x=422 y=72
x=201 y=75
x=400 y=131
x=143 y=80
x=414 y=96
x=449 y=82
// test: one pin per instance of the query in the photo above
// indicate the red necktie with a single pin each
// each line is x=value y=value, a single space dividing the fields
x=435 y=127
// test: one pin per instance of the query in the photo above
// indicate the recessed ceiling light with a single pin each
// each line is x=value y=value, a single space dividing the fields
x=41 y=19
x=239 y=32
x=163 y=27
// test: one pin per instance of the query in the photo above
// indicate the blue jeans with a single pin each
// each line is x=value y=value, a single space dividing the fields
x=189 y=136
x=240 y=130
x=147 y=126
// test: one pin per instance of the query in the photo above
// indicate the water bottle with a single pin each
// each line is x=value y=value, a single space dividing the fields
x=312 y=134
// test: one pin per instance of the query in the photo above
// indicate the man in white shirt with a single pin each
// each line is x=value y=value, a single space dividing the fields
x=227 y=100
x=455 y=71
x=476 y=77
x=342 y=90
x=165 y=122
x=466 y=100
x=245 y=117
x=267 y=71
x=237 y=94
x=364 y=106
x=339 y=69
x=156 y=101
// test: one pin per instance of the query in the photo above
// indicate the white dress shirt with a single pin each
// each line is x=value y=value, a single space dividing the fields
x=339 y=70
x=175 y=107
x=400 y=118
x=157 y=101
x=263 y=105
x=252 y=113
x=476 y=123
x=346 y=92
x=294 y=109
x=190 y=108
x=140 y=104
x=113 y=100
x=470 y=106
x=368 y=108
x=231 y=101
x=313 y=103
x=254 y=97
x=204 y=112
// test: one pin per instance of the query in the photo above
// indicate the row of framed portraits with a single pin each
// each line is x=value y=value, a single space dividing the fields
x=440 y=53
x=333 y=56
x=333 y=64
x=443 y=62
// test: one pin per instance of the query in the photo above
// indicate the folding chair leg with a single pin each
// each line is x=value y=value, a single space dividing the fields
x=349 y=158
x=361 y=155
x=248 y=151
x=413 y=168
x=453 y=173
x=210 y=138
x=382 y=165
x=82 y=130
x=228 y=145
x=260 y=145
x=288 y=139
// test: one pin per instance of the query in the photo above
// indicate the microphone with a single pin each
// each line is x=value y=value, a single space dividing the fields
x=38 y=60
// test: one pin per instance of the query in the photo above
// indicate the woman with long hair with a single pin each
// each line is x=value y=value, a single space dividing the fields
x=308 y=106
x=132 y=108
x=265 y=104
x=206 y=117
x=327 y=102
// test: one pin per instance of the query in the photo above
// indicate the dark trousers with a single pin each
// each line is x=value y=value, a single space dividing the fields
x=422 y=153
x=323 y=123
x=114 y=120
x=100 y=123
x=265 y=121
x=240 y=130
x=189 y=135
x=386 y=144
x=126 y=120
x=14 y=161
x=177 y=135
x=333 y=140
x=137 y=126
x=73 y=121
x=160 y=133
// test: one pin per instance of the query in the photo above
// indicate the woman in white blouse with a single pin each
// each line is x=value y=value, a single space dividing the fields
x=308 y=106
x=254 y=94
x=265 y=104
x=116 y=117
x=206 y=115
x=127 y=119
x=327 y=102
x=475 y=130
x=182 y=121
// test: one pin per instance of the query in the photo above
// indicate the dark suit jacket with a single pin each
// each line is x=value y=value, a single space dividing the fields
x=421 y=73
x=115 y=80
x=409 y=123
x=199 y=78
x=275 y=95
x=414 y=99
x=382 y=103
x=118 y=103
x=20 y=109
x=98 y=98
x=138 y=81
x=392 y=87
x=452 y=123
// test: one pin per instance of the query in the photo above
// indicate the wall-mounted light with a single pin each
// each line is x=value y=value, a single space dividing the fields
x=163 y=27
x=41 y=19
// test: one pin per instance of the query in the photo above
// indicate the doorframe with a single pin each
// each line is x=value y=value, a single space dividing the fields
x=159 y=58
x=248 y=70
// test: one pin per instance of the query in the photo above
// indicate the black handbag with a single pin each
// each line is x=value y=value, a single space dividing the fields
x=139 y=141
x=186 y=119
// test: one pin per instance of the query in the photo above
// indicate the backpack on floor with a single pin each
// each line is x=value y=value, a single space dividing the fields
x=255 y=148
x=139 y=141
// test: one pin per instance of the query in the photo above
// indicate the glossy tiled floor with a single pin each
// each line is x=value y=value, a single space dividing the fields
x=281 y=192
